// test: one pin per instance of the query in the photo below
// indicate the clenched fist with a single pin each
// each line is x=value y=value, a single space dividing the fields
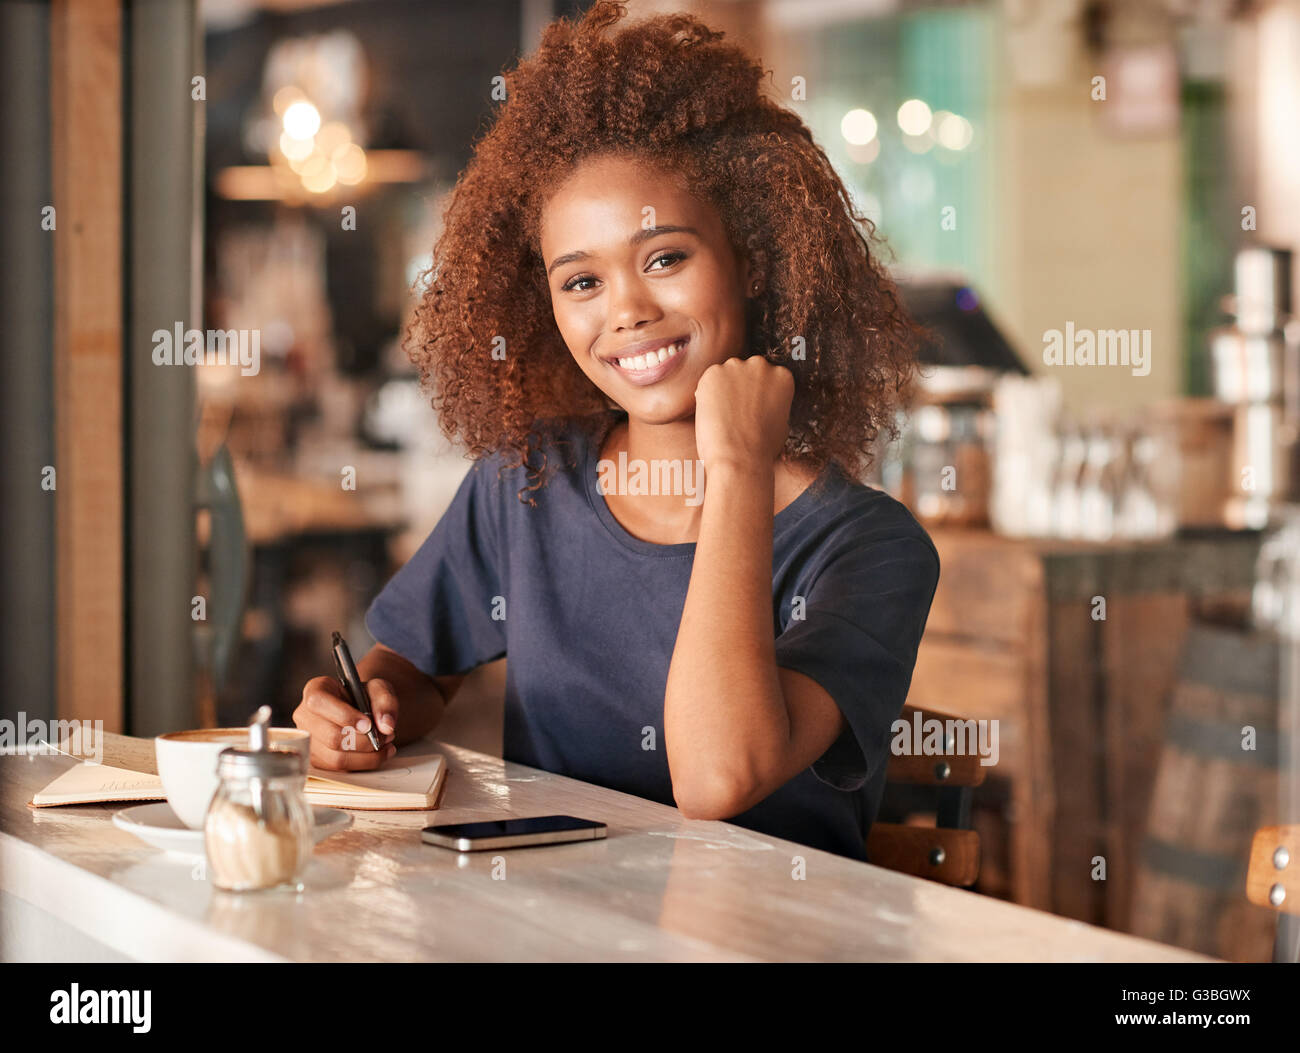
x=742 y=413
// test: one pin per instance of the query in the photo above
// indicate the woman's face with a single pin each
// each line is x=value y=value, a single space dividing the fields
x=646 y=289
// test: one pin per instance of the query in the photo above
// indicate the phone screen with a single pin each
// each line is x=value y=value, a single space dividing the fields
x=512 y=827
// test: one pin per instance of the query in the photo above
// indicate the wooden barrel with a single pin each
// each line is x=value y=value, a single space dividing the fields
x=1211 y=794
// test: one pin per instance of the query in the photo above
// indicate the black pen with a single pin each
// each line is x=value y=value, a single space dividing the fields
x=352 y=685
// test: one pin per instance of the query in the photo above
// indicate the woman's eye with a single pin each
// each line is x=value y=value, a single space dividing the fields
x=673 y=257
x=573 y=284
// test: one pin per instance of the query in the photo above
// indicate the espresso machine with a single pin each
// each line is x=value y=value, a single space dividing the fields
x=1256 y=369
x=943 y=470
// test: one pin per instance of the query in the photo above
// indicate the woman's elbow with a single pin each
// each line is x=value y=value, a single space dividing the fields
x=710 y=799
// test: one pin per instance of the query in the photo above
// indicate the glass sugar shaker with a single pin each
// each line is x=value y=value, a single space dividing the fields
x=258 y=831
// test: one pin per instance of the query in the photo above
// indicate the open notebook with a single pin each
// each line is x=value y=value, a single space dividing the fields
x=412 y=780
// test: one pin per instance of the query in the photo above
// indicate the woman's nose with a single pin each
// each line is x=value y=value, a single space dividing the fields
x=631 y=304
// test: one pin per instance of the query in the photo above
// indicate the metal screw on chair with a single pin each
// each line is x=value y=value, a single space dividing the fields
x=1281 y=857
x=938 y=855
x=1276 y=895
x=942 y=770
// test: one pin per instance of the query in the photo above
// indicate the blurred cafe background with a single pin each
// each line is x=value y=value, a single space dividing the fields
x=1058 y=181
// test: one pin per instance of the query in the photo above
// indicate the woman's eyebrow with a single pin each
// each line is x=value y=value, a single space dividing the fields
x=641 y=235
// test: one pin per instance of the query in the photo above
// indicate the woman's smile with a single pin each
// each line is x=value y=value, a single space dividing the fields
x=652 y=366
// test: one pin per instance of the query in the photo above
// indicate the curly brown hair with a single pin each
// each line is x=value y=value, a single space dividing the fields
x=670 y=91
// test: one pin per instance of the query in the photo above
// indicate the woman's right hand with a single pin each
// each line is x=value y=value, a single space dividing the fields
x=338 y=731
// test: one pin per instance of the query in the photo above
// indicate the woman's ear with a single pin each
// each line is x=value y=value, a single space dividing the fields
x=751 y=277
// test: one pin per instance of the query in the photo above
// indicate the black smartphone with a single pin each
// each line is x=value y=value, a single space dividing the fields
x=513 y=833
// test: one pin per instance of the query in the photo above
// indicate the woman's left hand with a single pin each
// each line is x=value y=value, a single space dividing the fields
x=742 y=413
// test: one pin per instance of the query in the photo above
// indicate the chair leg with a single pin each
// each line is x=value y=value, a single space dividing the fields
x=954 y=807
x=1286 y=945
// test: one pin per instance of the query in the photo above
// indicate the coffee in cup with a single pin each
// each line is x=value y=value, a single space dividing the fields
x=187 y=764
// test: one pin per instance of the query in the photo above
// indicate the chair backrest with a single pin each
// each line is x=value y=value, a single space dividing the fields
x=1273 y=876
x=1273 y=881
x=949 y=851
x=218 y=636
x=948 y=856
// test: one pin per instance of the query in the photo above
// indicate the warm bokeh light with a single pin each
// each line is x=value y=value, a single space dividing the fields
x=914 y=117
x=858 y=127
x=295 y=149
x=349 y=161
x=286 y=97
x=301 y=120
x=318 y=175
x=332 y=136
x=954 y=132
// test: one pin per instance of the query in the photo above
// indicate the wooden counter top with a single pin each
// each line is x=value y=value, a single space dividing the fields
x=660 y=887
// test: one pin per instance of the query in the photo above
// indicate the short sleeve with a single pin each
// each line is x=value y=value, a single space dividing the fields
x=862 y=624
x=444 y=610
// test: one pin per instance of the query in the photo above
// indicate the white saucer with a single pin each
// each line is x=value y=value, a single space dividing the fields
x=159 y=826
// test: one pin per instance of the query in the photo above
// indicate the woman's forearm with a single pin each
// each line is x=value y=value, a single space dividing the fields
x=724 y=714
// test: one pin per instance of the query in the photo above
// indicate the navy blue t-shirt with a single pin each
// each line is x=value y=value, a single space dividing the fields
x=588 y=614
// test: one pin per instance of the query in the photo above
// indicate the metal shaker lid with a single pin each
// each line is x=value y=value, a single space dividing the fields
x=238 y=763
x=260 y=760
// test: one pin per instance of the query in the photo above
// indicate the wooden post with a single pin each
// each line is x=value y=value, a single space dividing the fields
x=86 y=146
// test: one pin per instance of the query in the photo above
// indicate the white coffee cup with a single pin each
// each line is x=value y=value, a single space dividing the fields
x=187 y=764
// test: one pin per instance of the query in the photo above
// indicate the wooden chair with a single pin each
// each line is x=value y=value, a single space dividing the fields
x=949 y=851
x=1273 y=881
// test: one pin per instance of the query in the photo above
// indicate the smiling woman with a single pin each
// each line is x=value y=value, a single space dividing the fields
x=678 y=280
x=653 y=150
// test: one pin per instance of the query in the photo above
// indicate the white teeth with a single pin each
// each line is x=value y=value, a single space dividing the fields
x=652 y=358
